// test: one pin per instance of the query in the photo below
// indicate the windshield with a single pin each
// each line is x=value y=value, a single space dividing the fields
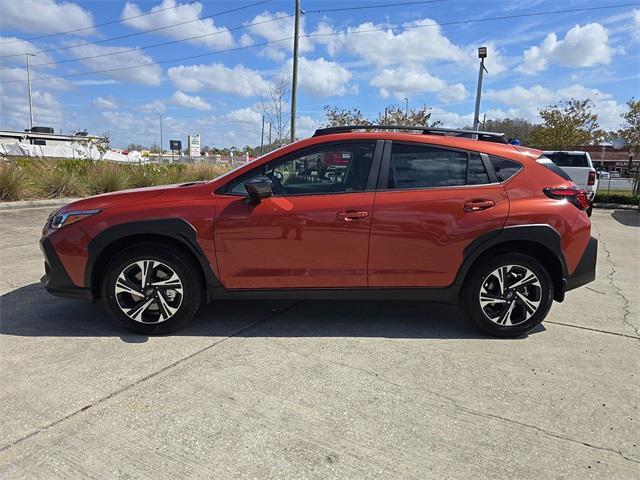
x=566 y=159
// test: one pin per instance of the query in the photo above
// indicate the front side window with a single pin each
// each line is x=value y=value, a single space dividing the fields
x=417 y=166
x=334 y=168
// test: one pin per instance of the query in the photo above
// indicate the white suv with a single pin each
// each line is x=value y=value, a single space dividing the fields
x=579 y=167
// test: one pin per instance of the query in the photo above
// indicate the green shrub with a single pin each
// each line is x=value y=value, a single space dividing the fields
x=105 y=177
x=145 y=175
x=14 y=184
x=173 y=173
x=53 y=180
x=617 y=198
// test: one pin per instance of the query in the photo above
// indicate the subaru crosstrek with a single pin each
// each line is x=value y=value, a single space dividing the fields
x=430 y=214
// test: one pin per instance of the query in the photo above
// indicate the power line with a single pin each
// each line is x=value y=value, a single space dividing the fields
x=163 y=44
x=503 y=17
x=142 y=32
x=368 y=7
x=97 y=25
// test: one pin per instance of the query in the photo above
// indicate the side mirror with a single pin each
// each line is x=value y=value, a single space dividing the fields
x=258 y=188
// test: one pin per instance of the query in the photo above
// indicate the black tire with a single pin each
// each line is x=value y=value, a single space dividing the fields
x=178 y=303
x=590 y=210
x=520 y=319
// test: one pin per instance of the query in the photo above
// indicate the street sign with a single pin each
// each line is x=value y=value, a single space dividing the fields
x=175 y=145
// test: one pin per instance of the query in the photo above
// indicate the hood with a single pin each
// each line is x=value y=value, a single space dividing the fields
x=123 y=198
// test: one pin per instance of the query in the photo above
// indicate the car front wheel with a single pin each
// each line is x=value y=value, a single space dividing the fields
x=508 y=295
x=151 y=290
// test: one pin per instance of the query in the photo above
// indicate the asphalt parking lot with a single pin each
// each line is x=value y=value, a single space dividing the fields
x=258 y=389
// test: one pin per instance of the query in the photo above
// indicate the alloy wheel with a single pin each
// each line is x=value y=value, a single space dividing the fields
x=510 y=295
x=148 y=291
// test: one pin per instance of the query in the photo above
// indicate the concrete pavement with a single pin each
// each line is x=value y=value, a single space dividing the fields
x=256 y=389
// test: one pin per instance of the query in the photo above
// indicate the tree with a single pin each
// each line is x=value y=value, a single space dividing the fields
x=415 y=117
x=630 y=132
x=512 y=128
x=274 y=105
x=567 y=124
x=393 y=115
x=338 y=117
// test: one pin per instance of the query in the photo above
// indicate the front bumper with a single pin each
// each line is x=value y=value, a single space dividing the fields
x=56 y=279
x=585 y=272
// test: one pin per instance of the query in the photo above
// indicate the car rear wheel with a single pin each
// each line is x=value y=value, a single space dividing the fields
x=508 y=295
x=152 y=290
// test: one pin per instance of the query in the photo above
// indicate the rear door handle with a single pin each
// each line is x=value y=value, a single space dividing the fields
x=477 y=205
x=351 y=216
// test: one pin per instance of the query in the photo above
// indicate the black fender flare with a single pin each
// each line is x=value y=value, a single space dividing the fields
x=176 y=229
x=541 y=234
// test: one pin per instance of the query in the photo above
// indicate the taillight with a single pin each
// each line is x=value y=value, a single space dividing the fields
x=574 y=195
x=592 y=178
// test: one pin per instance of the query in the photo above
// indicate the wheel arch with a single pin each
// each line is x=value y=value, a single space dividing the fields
x=175 y=234
x=541 y=242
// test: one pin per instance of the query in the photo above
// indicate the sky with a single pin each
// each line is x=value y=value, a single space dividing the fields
x=204 y=65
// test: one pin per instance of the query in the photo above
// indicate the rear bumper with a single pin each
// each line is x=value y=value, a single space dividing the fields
x=585 y=272
x=56 y=279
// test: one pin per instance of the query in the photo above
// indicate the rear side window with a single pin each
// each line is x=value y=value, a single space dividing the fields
x=566 y=159
x=415 y=166
x=505 y=169
x=476 y=173
x=546 y=162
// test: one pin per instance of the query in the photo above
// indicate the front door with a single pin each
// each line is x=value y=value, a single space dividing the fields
x=312 y=233
x=432 y=203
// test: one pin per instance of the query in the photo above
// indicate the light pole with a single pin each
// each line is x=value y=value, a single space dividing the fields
x=406 y=108
x=482 y=54
x=294 y=79
x=29 y=87
x=160 y=152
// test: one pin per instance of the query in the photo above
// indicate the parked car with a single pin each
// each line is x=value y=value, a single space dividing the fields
x=444 y=215
x=580 y=168
x=603 y=175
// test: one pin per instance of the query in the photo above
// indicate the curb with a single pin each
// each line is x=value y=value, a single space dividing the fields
x=35 y=203
x=615 y=206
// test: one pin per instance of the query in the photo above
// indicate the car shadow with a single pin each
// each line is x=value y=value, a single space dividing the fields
x=30 y=311
x=630 y=218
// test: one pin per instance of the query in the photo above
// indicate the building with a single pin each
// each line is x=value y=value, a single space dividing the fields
x=605 y=157
x=47 y=138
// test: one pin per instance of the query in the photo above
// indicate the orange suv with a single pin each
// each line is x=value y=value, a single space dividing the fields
x=413 y=213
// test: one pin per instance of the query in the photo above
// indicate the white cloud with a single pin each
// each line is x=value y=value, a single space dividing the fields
x=271 y=30
x=247 y=116
x=216 y=77
x=15 y=46
x=636 y=24
x=453 y=93
x=406 y=81
x=189 y=101
x=14 y=104
x=107 y=58
x=582 y=46
x=45 y=16
x=106 y=103
x=526 y=102
x=153 y=107
x=216 y=37
x=451 y=119
x=13 y=77
x=321 y=78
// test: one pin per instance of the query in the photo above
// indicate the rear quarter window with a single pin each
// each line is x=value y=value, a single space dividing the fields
x=505 y=169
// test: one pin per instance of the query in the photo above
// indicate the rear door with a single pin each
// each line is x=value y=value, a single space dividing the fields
x=431 y=203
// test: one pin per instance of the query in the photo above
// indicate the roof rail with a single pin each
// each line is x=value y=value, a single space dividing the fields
x=451 y=132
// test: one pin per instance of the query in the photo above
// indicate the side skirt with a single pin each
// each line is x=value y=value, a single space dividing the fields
x=441 y=295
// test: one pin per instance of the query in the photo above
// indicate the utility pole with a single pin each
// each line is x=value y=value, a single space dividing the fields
x=406 y=108
x=482 y=54
x=262 y=138
x=294 y=78
x=160 y=152
x=269 y=134
x=29 y=86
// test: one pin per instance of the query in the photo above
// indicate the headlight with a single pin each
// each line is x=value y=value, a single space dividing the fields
x=67 y=218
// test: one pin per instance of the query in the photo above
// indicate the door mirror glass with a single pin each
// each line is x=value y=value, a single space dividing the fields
x=258 y=188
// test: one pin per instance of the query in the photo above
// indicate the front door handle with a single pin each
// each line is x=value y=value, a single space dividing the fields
x=351 y=216
x=477 y=205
